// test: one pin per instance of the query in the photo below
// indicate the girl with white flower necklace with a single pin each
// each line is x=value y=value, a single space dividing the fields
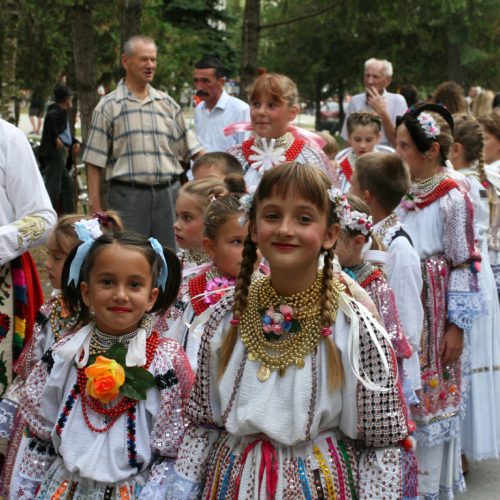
x=438 y=217
x=274 y=104
x=291 y=368
x=53 y=322
x=109 y=398
x=224 y=234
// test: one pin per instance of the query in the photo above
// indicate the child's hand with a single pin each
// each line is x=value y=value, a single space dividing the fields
x=376 y=101
x=452 y=344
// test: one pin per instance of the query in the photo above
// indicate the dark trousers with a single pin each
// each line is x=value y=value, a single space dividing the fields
x=58 y=182
x=150 y=212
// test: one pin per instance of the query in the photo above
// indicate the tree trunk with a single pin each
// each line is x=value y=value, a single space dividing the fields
x=83 y=51
x=249 y=43
x=10 y=21
x=130 y=19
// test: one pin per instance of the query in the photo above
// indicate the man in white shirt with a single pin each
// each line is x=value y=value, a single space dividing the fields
x=217 y=109
x=377 y=77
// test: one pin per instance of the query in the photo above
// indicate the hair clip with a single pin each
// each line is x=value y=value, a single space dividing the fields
x=162 y=277
x=103 y=218
x=428 y=124
x=88 y=231
x=245 y=206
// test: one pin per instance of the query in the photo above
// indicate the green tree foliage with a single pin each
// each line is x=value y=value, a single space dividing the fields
x=428 y=41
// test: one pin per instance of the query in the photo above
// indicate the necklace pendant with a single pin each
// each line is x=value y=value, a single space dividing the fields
x=300 y=362
x=282 y=372
x=263 y=373
x=251 y=356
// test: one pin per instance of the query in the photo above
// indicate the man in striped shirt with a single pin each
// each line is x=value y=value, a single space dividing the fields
x=137 y=138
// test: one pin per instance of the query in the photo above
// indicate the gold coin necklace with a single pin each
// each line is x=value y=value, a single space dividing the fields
x=281 y=331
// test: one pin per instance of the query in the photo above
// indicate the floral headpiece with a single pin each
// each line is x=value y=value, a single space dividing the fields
x=245 y=206
x=350 y=219
x=428 y=124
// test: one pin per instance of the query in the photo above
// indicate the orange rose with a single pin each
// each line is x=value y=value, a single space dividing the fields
x=105 y=377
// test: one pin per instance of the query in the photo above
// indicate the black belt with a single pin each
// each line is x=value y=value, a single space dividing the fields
x=142 y=185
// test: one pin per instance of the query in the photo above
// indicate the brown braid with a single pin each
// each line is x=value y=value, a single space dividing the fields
x=240 y=301
x=335 y=368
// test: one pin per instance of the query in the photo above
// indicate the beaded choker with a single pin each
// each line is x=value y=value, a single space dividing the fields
x=101 y=342
x=59 y=319
x=424 y=192
x=194 y=255
x=279 y=354
x=284 y=141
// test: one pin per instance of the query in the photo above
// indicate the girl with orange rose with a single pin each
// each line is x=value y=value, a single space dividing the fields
x=106 y=404
x=52 y=322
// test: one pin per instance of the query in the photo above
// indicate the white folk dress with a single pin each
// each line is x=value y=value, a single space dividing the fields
x=481 y=425
x=70 y=460
x=442 y=235
x=291 y=433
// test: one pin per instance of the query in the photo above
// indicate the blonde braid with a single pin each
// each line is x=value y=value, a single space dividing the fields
x=240 y=301
x=335 y=369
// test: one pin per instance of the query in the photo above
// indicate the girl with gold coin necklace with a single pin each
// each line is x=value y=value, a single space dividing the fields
x=291 y=369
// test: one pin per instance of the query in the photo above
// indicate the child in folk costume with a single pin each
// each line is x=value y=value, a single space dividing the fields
x=491 y=128
x=481 y=425
x=192 y=202
x=108 y=400
x=381 y=180
x=438 y=217
x=291 y=369
x=223 y=242
x=361 y=256
x=52 y=322
x=364 y=132
x=274 y=104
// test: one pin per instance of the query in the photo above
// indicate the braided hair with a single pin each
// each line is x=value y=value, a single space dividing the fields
x=309 y=183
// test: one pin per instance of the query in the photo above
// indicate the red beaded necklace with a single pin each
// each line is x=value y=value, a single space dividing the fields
x=346 y=168
x=443 y=188
x=290 y=154
x=373 y=276
x=120 y=408
x=197 y=286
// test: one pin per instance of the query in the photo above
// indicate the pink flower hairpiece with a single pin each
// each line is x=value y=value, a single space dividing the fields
x=350 y=219
x=429 y=126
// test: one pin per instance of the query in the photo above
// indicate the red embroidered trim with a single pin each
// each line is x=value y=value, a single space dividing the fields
x=197 y=286
x=346 y=168
x=444 y=187
x=120 y=408
x=373 y=276
x=290 y=154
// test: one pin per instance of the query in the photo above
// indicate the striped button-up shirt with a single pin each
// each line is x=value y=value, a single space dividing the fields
x=139 y=141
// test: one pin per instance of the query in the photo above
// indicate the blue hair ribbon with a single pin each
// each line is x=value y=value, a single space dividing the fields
x=88 y=231
x=162 y=277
